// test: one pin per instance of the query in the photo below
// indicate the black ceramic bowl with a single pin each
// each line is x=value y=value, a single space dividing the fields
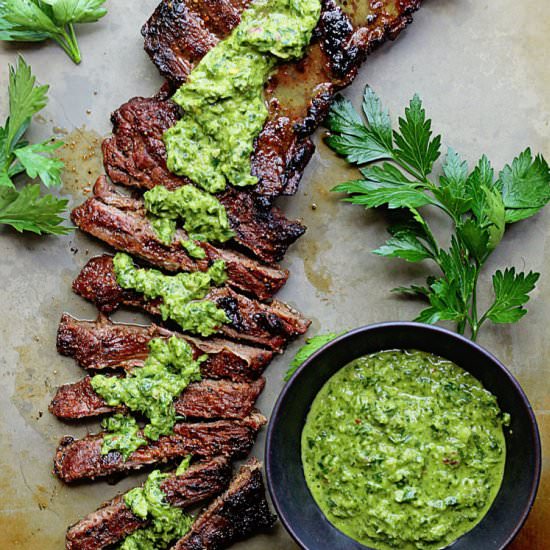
x=287 y=486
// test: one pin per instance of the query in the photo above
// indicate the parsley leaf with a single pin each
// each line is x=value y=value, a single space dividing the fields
x=452 y=190
x=415 y=147
x=358 y=143
x=372 y=193
x=308 y=349
x=406 y=245
x=396 y=166
x=378 y=118
x=48 y=169
x=524 y=186
x=487 y=204
x=511 y=293
x=76 y=11
x=25 y=100
x=38 y=20
x=26 y=210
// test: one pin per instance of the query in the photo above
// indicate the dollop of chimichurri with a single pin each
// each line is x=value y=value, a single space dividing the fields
x=205 y=218
x=149 y=390
x=182 y=294
x=223 y=99
x=404 y=449
x=149 y=502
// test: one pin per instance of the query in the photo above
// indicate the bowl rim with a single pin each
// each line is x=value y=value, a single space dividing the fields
x=406 y=325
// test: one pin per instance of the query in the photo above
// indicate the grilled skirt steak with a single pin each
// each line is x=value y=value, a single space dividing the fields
x=114 y=521
x=270 y=325
x=79 y=459
x=135 y=156
x=122 y=223
x=236 y=515
x=102 y=344
x=181 y=32
x=208 y=399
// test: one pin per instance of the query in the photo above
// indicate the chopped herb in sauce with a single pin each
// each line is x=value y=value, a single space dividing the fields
x=149 y=390
x=182 y=294
x=404 y=450
x=167 y=522
x=223 y=103
x=204 y=217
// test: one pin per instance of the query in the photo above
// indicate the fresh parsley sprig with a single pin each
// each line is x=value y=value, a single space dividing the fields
x=396 y=165
x=38 y=20
x=27 y=210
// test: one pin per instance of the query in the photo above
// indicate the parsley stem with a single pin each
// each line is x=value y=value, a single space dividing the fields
x=78 y=57
x=474 y=324
x=69 y=43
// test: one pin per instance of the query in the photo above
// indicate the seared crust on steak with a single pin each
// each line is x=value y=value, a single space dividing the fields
x=239 y=513
x=114 y=521
x=270 y=325
x=135 y=156
x=79 y=459
x=208 y=399
x=122 y=223
x=102 y=344
x=181 y=32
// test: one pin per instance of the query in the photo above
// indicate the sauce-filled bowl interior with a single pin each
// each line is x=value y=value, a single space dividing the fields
x=293 y=500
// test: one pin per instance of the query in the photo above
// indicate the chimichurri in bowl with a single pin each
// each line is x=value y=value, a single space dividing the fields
x=396 y=436
x=404 y=449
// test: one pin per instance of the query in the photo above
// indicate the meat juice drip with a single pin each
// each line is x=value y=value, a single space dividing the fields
x=83 y=160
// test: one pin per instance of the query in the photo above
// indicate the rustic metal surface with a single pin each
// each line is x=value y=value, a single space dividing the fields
x=482 y=69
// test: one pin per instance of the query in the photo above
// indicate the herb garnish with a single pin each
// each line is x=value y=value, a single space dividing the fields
x=308 y=349
x=478 y=205
x=27 y=210
x=38 y=20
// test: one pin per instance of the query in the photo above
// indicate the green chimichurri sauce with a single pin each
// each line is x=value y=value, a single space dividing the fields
x=403 y=449
x=149 y=502
x=121 y=435
x=182 y=294
x=205 y=218
x=223 y=101
x=149 y=390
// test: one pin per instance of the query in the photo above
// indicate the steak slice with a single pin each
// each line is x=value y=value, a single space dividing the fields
x=208 y=399
x=102 y=344
x=181 y=32
x=122 y=223
x=271 y=325
x=78 y=459
x=135 y=156
x=240 y=512
x=114 y=521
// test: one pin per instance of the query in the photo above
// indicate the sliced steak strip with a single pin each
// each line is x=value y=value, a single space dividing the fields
x=270 y=325
x=299 y=93
x=239 y=513
x=122 y=223
x=114 y=521
x=135 y=156
x=78 y=459
x=208 y=399
x=102 y=344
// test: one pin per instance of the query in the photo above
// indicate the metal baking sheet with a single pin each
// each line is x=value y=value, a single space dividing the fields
x=482 y=69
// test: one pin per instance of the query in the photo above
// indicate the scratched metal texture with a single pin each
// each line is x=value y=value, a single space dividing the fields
x=481 y=68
